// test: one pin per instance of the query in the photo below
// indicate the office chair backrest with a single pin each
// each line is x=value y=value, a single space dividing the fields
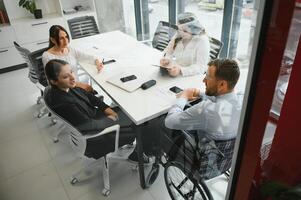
x=82 y=27
x=215 y=47
x=36 y=59
x=32 y=74
x=163 y=34
x=77 y=140
x=34 y=63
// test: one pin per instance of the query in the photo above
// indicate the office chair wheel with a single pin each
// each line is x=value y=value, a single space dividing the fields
x=55 y=140
x=182 y=186
x=106 y=192
x=152 y=176
x=73 y=180
x=39 y=100
x=40 y=115
x=53 y=121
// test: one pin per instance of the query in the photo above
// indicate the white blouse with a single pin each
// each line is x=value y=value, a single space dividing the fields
x=72 y=57
x=194 y=57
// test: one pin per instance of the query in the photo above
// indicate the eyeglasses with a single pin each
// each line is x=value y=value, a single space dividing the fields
x=207 y=76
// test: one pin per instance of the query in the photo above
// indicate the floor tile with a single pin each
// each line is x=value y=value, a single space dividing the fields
x=40 y=182
x=22 y=154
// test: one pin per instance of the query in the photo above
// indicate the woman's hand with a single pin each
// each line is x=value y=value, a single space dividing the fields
x=164 y=62
x=99 y=65
x=175 y=70
x=84 y=86
x=111 y=114
x=112 y=117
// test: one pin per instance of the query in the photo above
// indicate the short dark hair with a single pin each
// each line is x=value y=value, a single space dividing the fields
x=53 y=69
x=54 y=32
x=226 y=69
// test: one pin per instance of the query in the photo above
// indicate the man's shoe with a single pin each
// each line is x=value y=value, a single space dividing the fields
x=133 y=158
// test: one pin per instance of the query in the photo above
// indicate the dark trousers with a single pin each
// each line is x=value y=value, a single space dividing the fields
x=100 y=146
x=156 y=136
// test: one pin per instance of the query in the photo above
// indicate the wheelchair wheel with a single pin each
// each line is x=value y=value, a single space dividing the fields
x=181 y=186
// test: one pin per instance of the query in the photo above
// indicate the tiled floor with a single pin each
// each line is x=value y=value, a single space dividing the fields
x=32 y=167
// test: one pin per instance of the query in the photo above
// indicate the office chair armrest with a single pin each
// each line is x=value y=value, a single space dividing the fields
x=110 y=129
x=40 y=86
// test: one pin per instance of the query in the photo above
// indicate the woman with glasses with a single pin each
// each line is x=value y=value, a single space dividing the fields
x=188 y=52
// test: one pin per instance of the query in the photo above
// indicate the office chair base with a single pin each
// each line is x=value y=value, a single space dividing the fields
x=73 y=180
x=55 y=140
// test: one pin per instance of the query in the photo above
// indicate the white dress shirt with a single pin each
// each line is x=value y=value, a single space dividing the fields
x=194 y=57
x=72 y=58
x=217 y=117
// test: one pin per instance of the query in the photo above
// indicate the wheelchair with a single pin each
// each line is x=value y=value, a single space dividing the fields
x=189 y=161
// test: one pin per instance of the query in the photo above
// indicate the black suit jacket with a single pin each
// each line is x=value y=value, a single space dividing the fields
x=80 y=108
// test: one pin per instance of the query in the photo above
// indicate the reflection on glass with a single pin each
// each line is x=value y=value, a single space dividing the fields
x=158 y=11
x=129 y=17
x=210 y=14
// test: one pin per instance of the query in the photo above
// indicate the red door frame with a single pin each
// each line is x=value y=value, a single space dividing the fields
x=272 y=39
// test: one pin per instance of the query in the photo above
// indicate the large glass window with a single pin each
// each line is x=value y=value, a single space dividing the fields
x=116 y=15
x=158 y=11
x=129 y=17
x=210 y=15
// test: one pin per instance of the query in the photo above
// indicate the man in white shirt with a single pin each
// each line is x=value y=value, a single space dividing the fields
x=215 y=117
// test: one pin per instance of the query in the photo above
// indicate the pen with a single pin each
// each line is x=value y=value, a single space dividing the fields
x=103 y=60
x=164 y=55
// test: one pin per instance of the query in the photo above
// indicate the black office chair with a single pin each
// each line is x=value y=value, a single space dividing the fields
x=163 y=34
x=82 y=27
x=35 y=71
x=215 y=47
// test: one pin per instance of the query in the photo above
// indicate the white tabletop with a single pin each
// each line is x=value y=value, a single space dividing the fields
x=133 y=57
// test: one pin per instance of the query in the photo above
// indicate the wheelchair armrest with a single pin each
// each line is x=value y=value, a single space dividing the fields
x=192 y=103
x=188 y=137
x=110 y=129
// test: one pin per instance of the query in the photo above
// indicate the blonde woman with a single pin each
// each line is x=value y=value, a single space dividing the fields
x=188 y=52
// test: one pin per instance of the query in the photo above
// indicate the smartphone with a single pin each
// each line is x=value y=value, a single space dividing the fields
x=109 y=61
x=175 y=89
x=128 y=78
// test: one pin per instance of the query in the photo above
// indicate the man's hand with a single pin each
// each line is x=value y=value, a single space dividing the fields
x=99 y=65
x=190 y=94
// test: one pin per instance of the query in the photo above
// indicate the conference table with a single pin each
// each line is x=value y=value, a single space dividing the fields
x=133 y=58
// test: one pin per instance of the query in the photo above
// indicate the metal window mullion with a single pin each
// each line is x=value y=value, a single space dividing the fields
x=226 y=27
x=138 y=19
x=172 y=8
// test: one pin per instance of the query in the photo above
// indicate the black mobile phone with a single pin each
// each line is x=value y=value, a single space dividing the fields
x=175 y=89
x=109 y=61
x=128 y=78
